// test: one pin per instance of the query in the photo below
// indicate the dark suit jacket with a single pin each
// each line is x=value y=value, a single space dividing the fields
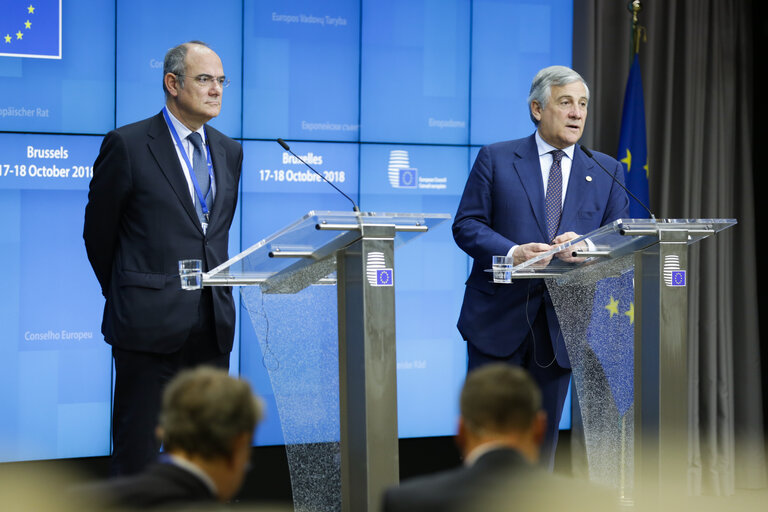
x=140 y=221
x=460 y=488
x=163 y=486
x=502 y=206
x=500 y=480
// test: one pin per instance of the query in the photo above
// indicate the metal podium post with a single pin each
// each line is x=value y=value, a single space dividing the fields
x=367 y=369
x=661 y=366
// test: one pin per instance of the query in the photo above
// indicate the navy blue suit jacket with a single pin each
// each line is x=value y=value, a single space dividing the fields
x=140 y=221
x=502 y=206
x=500 y=480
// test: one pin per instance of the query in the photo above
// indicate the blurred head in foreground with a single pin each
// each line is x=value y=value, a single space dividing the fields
x=208 y=419
x=500 y=404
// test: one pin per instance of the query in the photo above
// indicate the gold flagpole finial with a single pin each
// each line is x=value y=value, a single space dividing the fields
x=638 y=31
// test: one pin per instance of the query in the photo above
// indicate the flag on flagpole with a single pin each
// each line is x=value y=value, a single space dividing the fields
x=633 y=150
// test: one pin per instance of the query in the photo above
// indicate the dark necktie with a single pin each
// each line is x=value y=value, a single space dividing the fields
x=554 y=198
x=200 y=166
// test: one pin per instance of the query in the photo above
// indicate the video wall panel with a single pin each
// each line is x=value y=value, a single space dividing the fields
x=301 y=68
x=55 y=366
x=429 y=279
x=415 y=71
x=511 y=41
x=71 y=94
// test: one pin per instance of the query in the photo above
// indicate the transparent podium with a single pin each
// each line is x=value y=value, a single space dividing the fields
x=634 y=406
x=354 y=251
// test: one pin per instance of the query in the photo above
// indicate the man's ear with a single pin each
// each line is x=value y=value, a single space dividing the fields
x=461 y=436
x=241 y=444
x=536 y=110
x=171 y=82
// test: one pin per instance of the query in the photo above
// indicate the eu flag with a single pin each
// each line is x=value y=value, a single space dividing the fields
x=633 y=151
x=30 y=28
x=611 y=336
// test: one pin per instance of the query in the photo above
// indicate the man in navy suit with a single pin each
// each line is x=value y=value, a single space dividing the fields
x=523 y=197
x=163 y=190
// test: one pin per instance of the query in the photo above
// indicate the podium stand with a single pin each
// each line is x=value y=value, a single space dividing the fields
x=658 y=250
x=356 y=252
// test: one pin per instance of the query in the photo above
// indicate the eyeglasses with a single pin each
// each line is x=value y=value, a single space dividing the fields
x=208 y=80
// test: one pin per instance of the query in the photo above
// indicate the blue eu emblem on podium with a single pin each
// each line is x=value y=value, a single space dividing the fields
x=678 y=278
x=407 y=178
x=384 y=277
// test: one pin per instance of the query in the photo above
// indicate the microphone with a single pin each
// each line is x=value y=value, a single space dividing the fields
x=288 y=149
x=589 y=154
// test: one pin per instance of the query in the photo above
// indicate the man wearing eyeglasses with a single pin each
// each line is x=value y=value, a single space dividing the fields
x=163 y=190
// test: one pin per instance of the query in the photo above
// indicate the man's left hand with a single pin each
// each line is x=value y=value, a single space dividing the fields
x=567 y=255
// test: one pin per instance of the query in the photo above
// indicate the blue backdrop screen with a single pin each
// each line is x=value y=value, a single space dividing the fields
x=353 y=85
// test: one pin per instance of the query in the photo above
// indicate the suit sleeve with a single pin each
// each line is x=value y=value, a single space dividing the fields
x=618 y=202
x=472 y=226
x=107 y=195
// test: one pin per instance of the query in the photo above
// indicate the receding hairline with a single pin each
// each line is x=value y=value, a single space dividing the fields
x=580 y=82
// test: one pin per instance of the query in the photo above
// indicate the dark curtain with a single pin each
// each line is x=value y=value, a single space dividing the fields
x=698 y=88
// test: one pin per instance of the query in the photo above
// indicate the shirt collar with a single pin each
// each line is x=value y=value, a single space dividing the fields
x=481 y=450
x=182 y=130
x=195 y=470
x=545 y=147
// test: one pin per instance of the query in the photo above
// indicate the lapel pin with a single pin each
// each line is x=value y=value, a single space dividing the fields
x=589 y=178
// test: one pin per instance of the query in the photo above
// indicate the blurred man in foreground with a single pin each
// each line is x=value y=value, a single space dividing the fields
x=206 y=426
x=501 y=428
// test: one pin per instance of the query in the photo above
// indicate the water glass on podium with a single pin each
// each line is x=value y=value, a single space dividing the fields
x=501 y=269
x=191 y=274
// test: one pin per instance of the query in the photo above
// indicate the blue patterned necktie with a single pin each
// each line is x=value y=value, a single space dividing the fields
x=200 y=166
x=554 y=198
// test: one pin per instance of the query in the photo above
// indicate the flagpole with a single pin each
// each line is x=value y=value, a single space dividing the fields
x=625 y=492
x=638 y=31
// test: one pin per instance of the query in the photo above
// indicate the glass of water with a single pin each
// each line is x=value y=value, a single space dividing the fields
x=191 y=274
x=501 y=269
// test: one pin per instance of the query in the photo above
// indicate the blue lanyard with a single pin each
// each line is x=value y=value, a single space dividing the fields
x=195 y=184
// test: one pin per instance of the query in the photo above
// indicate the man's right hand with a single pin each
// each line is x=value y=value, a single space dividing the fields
x=525 y=252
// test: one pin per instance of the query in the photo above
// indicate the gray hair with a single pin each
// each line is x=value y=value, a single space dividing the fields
x=541 y=87
x=205 y=409
x=174 y=62
x=499 y=398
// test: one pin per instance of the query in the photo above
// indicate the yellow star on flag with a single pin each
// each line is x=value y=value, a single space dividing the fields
x=7 y=38
x=19 y=35
x=628 y=160
x=31 y=9
x=631 y=313
x=613 y=307
x=646 y=171
x=28 y=24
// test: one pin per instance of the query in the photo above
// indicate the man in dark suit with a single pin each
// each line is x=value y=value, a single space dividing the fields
x=501 y=427
x=163 y=190
x=206 y=425
x=523 y=197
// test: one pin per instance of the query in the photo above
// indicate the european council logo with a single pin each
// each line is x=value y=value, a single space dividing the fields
x=401 y=174
x=376 y=269
x=30 y=28
x=673 y=274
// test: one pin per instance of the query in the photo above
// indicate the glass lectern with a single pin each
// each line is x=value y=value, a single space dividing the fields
x=354 y=251
x=634 y=407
